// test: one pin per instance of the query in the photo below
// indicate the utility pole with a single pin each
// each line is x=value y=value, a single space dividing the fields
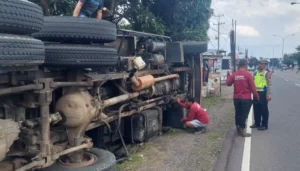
x=232 y=48
x=233 y=44
x=219 y=24
x=273 y=47
x=283 y=39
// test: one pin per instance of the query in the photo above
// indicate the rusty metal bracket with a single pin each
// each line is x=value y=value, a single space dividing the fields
x=39 y=163
x=55 y=85
x=44 y=100
x=13 y=90
x=87 y=145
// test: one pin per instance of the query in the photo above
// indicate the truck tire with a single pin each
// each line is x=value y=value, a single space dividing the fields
x=104 y=161
x=75 y=29
x=20 y=50
x=20 y=17
x=194 y=47
x=70 y=55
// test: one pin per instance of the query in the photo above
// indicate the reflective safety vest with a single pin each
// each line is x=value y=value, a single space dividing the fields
x=260 y=80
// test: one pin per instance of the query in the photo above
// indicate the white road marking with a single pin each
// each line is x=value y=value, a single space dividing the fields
x=247 y=145
x=291 y=79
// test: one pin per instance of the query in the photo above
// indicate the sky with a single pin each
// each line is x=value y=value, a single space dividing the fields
x=257 y=22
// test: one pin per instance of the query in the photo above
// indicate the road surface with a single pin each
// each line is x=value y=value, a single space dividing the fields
x=277 y=149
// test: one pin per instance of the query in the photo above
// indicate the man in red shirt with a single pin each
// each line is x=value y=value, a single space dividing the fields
x=243 y=87
x=197 y=118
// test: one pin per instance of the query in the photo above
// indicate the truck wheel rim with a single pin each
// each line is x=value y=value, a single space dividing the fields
x=89 y=159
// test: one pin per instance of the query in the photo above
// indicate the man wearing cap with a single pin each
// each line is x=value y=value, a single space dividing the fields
x=262 y=80
x=243 y=89
x=89 y=8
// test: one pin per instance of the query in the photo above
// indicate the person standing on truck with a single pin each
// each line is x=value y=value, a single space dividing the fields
x=89 y=8
x=262 y=79
x=197 y=118
x=244 y=87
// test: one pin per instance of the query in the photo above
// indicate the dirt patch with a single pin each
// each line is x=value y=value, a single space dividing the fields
x=178 y=150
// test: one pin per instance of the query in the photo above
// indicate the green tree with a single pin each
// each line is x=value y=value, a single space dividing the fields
x=139 y=16
x=288 y=60
x=56 y=7
x=253 y=62
x=181 y=20
x=274 y=62
x=296 y=56
x=184 y=20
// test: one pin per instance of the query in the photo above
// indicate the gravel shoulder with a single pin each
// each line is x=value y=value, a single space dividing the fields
x=178 y=150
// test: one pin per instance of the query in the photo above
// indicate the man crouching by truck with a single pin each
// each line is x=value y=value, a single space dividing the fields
x=243 y=87
x=197 y=118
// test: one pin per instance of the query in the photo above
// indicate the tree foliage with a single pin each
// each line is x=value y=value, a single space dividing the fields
x=289 y=59
x=139 y=16
x=181 y=20
x=296 y=55
x=253 y=62
x=56 y=7
x=274 y=62
x=184 y=20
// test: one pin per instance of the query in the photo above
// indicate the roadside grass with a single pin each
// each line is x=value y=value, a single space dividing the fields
x=133 y=161
x=211 y=101
x=142 y=155
x=214 y=137
x=138 y=156
x=172 y=132
x=230 y=118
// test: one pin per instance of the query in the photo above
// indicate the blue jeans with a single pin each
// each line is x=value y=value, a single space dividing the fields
x=82 y=15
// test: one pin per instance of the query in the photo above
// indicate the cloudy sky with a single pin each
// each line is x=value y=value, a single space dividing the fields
x=257 y=22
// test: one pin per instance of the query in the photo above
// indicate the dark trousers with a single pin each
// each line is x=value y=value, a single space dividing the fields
x=242 y=109
x=261 y=110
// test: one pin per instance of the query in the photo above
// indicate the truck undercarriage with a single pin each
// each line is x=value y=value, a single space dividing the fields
x=55 y=109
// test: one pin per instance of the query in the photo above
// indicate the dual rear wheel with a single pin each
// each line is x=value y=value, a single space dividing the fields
x=21 y=18
x=70 y=38
x=96 y=160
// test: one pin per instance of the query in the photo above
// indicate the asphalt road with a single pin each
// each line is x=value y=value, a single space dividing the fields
x=277 y=149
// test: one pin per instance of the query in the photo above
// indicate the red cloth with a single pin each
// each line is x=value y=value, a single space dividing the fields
x=243 y=84
x=195 y=112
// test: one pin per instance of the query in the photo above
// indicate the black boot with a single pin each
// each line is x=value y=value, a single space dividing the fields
x=254 y=126
x=242 y=132
x=263 y=128
x=199 y=130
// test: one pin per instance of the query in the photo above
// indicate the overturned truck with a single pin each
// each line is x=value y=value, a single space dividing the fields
x=76 y=85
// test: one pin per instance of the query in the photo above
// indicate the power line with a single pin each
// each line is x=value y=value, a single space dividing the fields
x=219 y=24
x=226 y=40
x=212 y=20
x=217 y=30
x=211 y=38
x=228 y=21
x=226 y=29
x=212 y=44
x=225 y=25
x=213 y=29
x=220 y=12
